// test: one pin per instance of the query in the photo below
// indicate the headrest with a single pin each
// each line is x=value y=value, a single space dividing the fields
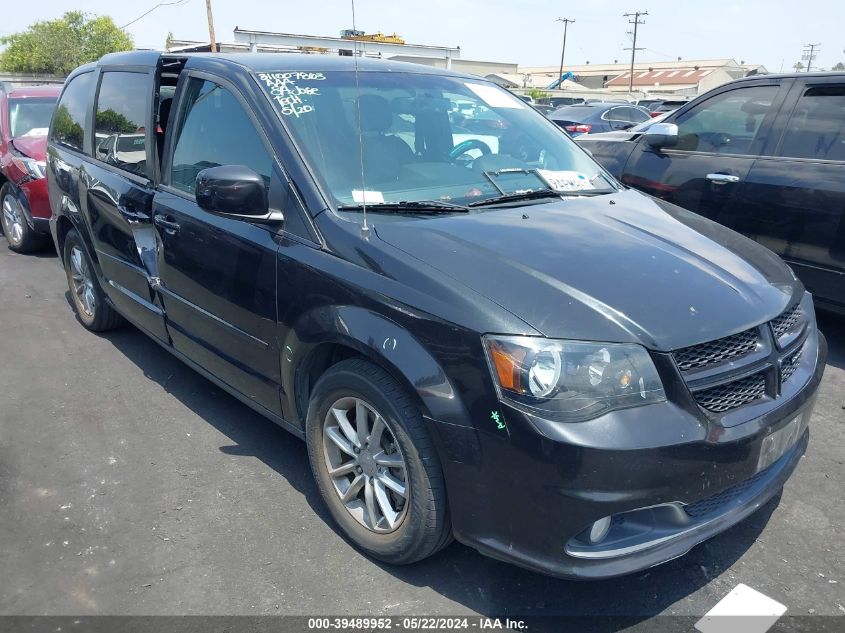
x=376 y=114
x=164 y=111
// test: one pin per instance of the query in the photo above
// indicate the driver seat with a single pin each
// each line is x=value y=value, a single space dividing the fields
x=384 y=154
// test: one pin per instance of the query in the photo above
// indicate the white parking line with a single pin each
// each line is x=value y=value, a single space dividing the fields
x=743 y=610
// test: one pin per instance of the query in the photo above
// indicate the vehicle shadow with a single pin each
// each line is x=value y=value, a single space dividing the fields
x=458 y=573
x=48 y=251
x=832 y=325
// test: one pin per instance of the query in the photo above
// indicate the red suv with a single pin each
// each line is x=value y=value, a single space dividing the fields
x=25 y=115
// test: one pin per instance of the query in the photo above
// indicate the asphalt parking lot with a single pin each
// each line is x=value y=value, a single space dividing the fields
x=131 y=485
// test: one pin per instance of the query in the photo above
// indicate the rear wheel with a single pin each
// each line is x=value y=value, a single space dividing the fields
x=20 y=237
x=89 y=302
x=375 y=465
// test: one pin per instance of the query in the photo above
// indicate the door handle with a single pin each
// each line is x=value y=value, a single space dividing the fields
x=171 y=228
x=722 y=179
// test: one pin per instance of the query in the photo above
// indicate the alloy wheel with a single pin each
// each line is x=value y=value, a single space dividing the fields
x=12 y=220
x=365 y=464
x=83 y=282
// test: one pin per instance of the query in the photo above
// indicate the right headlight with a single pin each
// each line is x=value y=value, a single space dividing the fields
x=571 y=380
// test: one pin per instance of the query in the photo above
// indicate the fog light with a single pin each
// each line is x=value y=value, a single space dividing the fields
x=597 y=531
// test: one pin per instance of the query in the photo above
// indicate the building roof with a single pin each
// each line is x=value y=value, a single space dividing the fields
x=668 y=77
x=618 y=68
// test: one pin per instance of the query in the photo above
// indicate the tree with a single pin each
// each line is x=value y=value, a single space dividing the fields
x=168 y=43
x=798 y=66
x=112 y=122
x=58 y=46
x=839 y=66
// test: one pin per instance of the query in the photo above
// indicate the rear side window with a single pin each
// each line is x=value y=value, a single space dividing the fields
x=215 y=130
x=727 y=123
x=120 y=123
x=68 y=127
x=816 y=128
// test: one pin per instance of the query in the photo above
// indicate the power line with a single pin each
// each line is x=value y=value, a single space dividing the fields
x=566 y=23
x=810 y=52
x=634 y=18
x=160 y=4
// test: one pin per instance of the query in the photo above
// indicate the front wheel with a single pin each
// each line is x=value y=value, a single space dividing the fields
x=21 y=238
x=375 y=465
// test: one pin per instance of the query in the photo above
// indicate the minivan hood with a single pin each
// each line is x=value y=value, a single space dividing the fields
x=618 y=267
x=32 y=146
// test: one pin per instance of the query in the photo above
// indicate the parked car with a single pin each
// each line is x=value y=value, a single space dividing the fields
x=543 y=108
x=564 y=101
x=24 y=118
x=459 y=332
x=661 y=106
x=600 y=116
x=764 y=156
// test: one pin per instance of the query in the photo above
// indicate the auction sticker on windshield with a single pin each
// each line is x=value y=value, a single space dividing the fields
x=566 y=180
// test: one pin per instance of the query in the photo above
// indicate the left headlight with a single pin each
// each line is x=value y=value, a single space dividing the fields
x=572 y=380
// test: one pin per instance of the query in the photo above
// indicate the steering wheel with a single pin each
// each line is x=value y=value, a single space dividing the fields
x=464 y=146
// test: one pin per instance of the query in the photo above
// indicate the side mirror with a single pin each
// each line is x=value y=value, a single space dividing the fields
x=661 y=135
x=235 y=191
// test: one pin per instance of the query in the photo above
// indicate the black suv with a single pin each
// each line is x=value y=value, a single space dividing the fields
x=477 y=331
x=764 y=156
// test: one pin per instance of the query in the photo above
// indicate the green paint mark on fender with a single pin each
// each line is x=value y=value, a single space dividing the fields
x=494 y=415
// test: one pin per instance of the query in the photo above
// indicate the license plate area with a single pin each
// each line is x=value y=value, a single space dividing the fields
x=776 y=444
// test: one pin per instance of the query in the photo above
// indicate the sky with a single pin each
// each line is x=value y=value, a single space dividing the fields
x=768 y=32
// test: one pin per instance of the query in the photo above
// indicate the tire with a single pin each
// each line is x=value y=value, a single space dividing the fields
x=19 y=236
x=422 y=526
x=89 y=301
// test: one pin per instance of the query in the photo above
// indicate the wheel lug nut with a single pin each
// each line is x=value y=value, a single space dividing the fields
x=358 y=469
x=355 y=449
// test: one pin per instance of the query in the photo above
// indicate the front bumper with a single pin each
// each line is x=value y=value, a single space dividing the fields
x=525 y=495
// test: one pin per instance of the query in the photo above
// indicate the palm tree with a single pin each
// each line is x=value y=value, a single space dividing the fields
x=798 y=66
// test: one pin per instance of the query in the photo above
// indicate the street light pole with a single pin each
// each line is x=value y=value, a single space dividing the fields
x=566 y=23
x=636 y=22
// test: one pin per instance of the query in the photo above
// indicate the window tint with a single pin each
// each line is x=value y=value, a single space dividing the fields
x=68 y=127
x=816 y=128
x=120 y=124
x=726 y=123
x=215 y=130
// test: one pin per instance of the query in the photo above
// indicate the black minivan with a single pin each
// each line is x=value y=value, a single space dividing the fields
x=478 y=331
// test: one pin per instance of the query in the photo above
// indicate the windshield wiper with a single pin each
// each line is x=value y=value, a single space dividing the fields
x=533 y=194
x=408 y=206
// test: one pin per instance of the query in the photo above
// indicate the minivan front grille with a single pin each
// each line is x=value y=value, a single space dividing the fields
x=743 y=352
x=718 y=351
x=732 y=394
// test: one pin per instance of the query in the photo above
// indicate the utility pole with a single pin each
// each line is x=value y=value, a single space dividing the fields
x=810 y=52
x=210 y=27
x=634 y=18
x=566 y=23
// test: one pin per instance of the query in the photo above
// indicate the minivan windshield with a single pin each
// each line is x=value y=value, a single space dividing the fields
x=427 y=138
